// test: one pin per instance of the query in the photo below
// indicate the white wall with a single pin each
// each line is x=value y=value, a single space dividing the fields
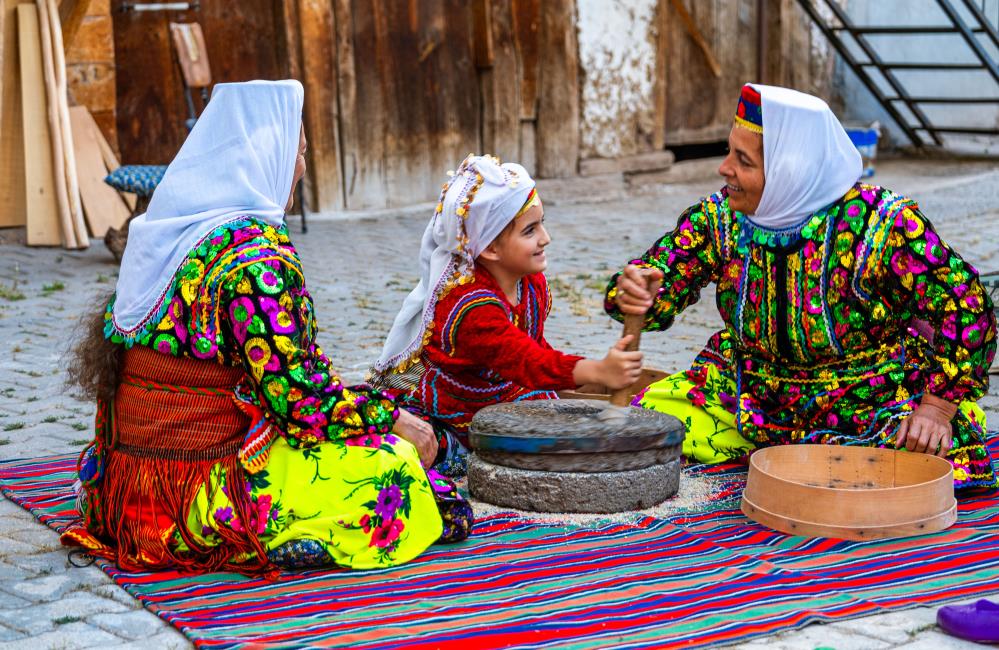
x=617 y=58
x=860 y=105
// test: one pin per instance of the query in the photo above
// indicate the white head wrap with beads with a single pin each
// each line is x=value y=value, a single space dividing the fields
x=476 y=203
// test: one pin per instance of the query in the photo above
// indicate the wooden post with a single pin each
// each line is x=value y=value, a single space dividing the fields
x=65 y=130
x=526 y=27
x=69 y=233
x=43 y=217
x=12 y=187
x=558 y=97
x=501 y=88
x=659 y=83
x=482 y=32
x=104 y=207
x=71 y=15
x=319 y=55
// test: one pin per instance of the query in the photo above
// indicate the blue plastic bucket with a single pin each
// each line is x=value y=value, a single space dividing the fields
x=865 y=139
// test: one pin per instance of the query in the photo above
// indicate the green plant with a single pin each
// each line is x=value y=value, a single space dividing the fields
x=10 y=292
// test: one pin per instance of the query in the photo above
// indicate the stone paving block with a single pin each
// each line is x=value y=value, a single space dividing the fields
x=115 y=593
x=47 y=563
x=896 y=627
x=7 y=634
x=134 y=624
x=46 y=588
x=828 y=636
x=74 y=607
x=11 y=547
x=39 y=535
x=10 y=601
x=167 y=640
x=937 y=640
x=11 y=573
x=70 y=635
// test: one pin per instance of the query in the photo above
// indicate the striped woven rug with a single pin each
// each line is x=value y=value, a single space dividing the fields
x=689 y=580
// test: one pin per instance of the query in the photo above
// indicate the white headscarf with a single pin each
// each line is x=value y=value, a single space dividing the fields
x=479 y=200
x=808 y=159
x=238 y=160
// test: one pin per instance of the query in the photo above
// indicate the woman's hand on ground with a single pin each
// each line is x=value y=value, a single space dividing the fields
x=928 y=429
x=636 y=289
x=420 y=433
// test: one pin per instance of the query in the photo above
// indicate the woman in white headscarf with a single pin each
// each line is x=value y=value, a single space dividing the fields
x=225 y=440
x=818 y=279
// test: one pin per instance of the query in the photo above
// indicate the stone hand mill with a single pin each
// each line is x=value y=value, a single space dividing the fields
x=575 y=455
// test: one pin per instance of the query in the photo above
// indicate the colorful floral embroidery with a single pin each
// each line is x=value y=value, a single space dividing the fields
x=817 y=342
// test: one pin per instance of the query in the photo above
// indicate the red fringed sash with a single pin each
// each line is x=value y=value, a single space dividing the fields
x=173 y=421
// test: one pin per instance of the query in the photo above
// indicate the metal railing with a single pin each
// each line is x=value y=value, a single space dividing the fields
x=923 y=125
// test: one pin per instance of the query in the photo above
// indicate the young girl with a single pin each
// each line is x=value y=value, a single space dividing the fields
x=471 y=333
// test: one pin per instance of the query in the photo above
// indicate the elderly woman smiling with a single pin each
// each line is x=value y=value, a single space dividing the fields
x=819 y=278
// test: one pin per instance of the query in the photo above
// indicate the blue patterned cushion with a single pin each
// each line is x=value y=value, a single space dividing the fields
x=138 y=179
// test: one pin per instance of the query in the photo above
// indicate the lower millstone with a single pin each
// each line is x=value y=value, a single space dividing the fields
x=580 y=492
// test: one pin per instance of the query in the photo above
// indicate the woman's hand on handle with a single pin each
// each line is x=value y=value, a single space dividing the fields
x=636 y=289
x=420 y=434
x=927 y=429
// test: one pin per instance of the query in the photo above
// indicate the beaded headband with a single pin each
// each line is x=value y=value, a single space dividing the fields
x=749 y=112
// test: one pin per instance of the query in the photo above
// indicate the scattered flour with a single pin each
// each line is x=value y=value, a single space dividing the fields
x=694 y=494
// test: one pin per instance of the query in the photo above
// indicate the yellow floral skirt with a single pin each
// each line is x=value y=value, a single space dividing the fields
x=361 y=503
x=705 y=401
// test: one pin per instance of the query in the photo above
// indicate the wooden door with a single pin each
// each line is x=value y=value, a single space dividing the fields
x=245 y=40
x=409 y=97
x=700 y=106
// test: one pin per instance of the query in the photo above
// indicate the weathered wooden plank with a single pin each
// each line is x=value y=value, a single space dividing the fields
x=659 y=88
x=60 y=97
x=71 y=14
x=42 y=210
x=527 y=35
x=361 y=105
x=316 y=21
x=409 y=98
x=90 y=67
x=528 y=143
x=558 y=100
x=192 y=55
x=93 y=41
x=453 y=121
x=693 y=90
x=698 y=38
x=12 y=187
x=482 y=33
x=501 y=88
x=701 y=111
x=104 y=207
x=419 y=84
x=643 y=162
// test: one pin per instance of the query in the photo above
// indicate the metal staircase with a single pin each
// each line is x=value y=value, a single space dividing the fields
x=920 y=127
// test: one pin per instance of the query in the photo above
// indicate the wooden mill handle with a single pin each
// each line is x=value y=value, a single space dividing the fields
x=633 y=324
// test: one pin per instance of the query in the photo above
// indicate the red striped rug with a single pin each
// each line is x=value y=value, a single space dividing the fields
x=689 y=580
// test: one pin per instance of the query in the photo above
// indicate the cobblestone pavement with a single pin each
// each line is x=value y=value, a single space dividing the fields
x=359 y=271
